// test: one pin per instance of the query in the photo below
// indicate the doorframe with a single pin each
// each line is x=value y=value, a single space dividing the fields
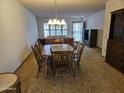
x=76 y=22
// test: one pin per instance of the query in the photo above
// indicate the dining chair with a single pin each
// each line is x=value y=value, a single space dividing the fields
x=39 y=59
x=76 y=44
x=78 y=54
x=81 y=48
x=62 y=60
x=38 y=46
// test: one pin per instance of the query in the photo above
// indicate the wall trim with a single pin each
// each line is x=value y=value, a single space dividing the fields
x=23 y=62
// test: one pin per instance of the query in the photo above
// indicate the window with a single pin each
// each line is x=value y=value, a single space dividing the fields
x=54 y=30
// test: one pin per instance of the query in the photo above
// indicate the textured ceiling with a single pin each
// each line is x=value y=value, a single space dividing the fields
x=65 y=8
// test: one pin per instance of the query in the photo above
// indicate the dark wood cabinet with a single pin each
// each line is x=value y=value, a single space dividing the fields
x=90 y=37
x=115 y=45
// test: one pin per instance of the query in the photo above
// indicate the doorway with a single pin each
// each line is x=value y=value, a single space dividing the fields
x=77 y=31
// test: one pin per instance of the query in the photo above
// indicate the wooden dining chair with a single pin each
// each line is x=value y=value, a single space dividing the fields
x=62 y=60
x=38 y=46
x=78 y=54
x=81 y=48
x=39 y=59
x=76 y=44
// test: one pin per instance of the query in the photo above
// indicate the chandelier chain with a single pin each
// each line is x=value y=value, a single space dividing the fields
x=56 y=9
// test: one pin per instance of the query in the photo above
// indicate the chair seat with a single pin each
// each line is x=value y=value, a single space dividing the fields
x=9 y=81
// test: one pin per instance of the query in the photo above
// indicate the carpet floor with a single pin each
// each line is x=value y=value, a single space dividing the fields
x=95 y=76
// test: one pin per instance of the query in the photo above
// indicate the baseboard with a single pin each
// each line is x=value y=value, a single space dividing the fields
x=23 y=62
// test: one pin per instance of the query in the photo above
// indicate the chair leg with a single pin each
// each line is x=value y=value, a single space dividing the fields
x=46 y=70
x=78 y=66
x=54 y=72
x=18 y=88
x=75 y=66
x=72 y=68
x=38 y=71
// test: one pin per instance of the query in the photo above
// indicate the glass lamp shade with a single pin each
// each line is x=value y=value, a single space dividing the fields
x=54 y=21
x=50 y=22
x=58 y=22
x=63 y=22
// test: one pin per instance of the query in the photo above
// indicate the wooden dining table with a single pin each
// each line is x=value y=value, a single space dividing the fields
x=46 y=52
x=55 y=47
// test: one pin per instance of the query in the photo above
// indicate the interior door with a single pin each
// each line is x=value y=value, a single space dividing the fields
x=77 y=31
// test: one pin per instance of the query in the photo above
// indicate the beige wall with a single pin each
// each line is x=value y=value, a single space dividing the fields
x=18 y=30
x=69 y=21
x=96 y=21
x=111 y=5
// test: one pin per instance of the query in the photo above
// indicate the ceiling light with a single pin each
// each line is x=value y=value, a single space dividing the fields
x=56 y=21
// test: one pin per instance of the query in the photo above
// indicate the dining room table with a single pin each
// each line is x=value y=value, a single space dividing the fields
x=55 y=47
x=46 y=52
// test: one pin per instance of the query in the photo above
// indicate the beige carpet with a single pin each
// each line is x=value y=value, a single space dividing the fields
x=96 y=76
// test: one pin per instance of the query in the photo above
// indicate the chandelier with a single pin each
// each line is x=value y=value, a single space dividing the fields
x=56 y=21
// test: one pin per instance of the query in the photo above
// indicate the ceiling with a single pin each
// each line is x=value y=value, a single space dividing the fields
x=65 y=8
